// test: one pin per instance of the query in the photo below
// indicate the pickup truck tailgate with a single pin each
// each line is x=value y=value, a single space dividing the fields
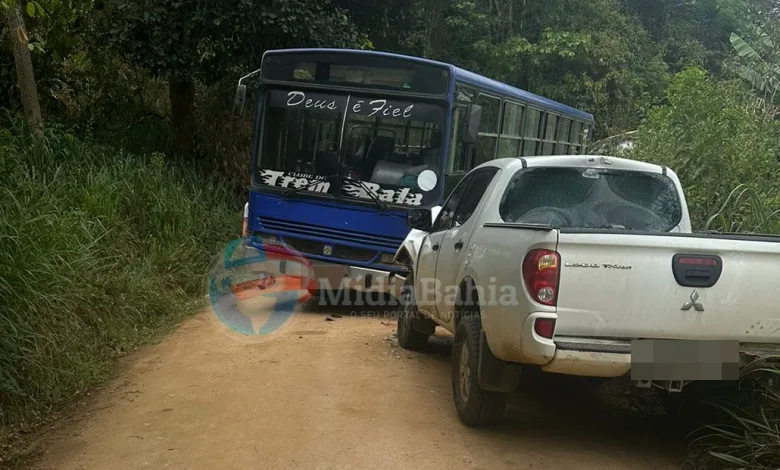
x=619 y=285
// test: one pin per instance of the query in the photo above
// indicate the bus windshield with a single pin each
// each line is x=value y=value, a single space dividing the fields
x=393 y=146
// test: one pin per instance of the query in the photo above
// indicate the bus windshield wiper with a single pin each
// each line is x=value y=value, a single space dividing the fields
x=351 y=175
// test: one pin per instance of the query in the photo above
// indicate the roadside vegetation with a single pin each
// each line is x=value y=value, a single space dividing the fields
x=121 y=174
x=724 y=144
x=747 y=435
x=100 y=252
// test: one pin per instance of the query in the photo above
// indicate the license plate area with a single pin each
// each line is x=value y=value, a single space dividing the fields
x=684 y=360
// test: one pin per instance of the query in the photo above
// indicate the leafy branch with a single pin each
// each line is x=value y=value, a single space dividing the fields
x=759 y=69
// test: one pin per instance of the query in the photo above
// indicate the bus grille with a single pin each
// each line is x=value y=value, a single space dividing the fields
x=312 y=247
x=331 y=234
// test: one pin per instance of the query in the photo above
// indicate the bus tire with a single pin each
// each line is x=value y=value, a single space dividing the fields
x=409 y=337
x=475 y=405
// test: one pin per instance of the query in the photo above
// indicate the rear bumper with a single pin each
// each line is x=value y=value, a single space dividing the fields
x=589 y=362
x=575 y=357
x=606 y=358
x=612 y=358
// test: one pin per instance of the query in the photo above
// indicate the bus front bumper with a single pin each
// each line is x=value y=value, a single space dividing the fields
x=331 y=276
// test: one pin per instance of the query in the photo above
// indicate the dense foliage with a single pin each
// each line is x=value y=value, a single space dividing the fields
x=716 y=136
x=611 y=58
x=102 y=245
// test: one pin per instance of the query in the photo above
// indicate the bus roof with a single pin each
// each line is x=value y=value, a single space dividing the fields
x=464 y=76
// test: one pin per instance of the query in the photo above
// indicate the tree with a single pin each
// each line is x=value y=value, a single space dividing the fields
x=598 y=59
x=17 y=34
x=761 y=71
x=385 y=22
x=758 y=49
x=690 y=32
x=188 y=40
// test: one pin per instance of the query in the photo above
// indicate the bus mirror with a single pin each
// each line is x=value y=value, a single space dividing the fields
x=472 y=126
x=238 y=103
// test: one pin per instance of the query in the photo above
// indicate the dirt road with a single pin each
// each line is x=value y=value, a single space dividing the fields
x=331 y=394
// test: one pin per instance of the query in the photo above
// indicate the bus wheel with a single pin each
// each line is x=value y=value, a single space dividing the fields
x=410 y=321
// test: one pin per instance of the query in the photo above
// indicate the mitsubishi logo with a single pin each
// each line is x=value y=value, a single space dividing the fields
x=693 y=303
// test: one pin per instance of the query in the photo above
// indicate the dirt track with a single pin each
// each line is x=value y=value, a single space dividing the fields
x=331 y=394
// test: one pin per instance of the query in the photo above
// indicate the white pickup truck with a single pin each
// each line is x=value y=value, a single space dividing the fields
x=566 y=264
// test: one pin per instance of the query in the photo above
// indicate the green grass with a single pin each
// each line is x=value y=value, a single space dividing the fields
x=100 y=251
x=746 y=211
x=747 y=433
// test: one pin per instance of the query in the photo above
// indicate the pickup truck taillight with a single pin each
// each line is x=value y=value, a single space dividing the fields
x=541 y=272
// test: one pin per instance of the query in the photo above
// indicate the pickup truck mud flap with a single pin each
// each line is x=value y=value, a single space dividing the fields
x=495 y=375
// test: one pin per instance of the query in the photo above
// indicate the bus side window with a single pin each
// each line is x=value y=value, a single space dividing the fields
x=562 y=139
x=531 y=127
x=488 y=128
x=511 y=130
x=576 y=138
x=551 y=125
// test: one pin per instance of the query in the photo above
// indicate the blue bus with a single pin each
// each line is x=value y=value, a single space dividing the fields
x=347 y=141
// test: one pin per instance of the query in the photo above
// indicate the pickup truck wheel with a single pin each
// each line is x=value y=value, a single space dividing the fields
x=408 y=336
x=475 y=405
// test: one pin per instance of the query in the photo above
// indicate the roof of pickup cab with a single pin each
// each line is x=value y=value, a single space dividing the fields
x=594 y=161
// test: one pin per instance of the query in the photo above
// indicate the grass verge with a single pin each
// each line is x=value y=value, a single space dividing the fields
x=746 y=433
x=100 y=252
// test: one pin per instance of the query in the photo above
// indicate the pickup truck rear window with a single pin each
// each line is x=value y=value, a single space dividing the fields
x=592 y=198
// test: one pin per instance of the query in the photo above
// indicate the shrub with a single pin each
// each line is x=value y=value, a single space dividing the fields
x=745 y=211
x=716 y=136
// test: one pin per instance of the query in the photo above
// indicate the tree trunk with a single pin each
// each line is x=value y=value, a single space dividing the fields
x=24 y=69
x=182 y=95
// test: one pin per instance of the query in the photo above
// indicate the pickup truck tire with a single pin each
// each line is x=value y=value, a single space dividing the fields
x=475 y=405
x=410 y=337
